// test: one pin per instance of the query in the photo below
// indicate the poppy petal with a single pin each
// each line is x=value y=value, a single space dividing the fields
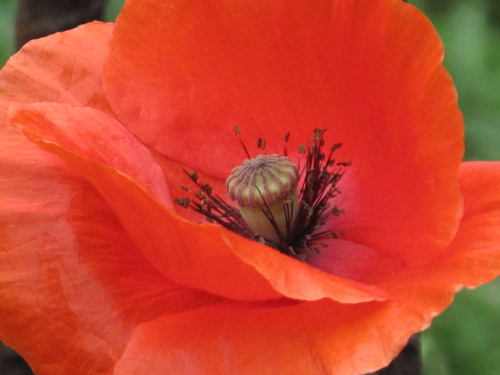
x=356 y=262
x=473 y=257
x=156 y=230
x=70 y=275
x=90 y=132
x=33 y=201
x=298 y=280
x=72 y=279
x=51 y=305
x=53 y=69
x=271 y=67
x=214 y=260
x=314 y=338
x=60 y=243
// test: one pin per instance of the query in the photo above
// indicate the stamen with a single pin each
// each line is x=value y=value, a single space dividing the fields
x=272 y=209
x=237 y=132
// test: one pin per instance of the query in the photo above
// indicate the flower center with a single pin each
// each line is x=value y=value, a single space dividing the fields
x=282 y=205
x=265 y=189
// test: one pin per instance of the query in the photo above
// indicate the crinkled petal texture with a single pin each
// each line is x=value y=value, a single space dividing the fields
x=73 y=283
x=97 y=265
x=50 y=301
x=369 y=71
x=321 y=337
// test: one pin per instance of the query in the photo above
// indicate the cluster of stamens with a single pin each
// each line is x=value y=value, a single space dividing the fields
x=273 y=209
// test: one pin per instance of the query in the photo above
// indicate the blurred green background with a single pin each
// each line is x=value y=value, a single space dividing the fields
x=465 y=339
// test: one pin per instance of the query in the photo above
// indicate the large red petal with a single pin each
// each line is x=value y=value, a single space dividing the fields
x=356 y=262
x=311 y=338
x=52 y=308
x=74 y=286
x=473 y=257
x=201 y=256
x=93 y=133
x=54 y=69
x=368 y=70
x=70 y=276
x=34 y=198
x=298 y=280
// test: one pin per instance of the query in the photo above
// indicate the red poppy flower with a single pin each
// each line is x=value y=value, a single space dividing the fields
x=101 y=273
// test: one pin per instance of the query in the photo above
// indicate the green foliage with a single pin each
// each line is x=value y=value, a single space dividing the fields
x=464 y=340
x=7 y=21
x=113 y=9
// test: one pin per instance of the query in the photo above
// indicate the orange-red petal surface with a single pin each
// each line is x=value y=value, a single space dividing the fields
x=214 y=260
x=100 y=275
x=92 y=133
x=314 y=338
x=358 y=262
x=74 y=285
x=370 y=71
x=54 y=69
x=473 y=257
x=43 y=287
